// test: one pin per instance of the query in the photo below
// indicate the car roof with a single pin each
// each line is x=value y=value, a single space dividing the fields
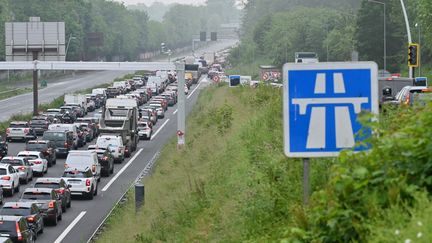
x=49 y=179
x=19 y=122
x=19 y=204
x=29 y=152
x=38 y=141
x=32 y=189
x=4 y=165
x=13 y=157
x=9 y=218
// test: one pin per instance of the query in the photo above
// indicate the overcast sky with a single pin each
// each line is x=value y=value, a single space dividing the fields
x=148 y=2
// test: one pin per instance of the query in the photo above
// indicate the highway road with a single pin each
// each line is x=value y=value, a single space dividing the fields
x=24 y=103
x=83 y=218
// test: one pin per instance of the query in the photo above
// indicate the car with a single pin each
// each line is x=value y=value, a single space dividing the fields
x=144 y=130
x=40 y=124
x=115 y=144
x=153 y=113
x=22 y=165
x=48 y=201
x=66 y=127
x=16 y=228
x=81 y=181
x=63 y=141
x=53 y=113
x=37 y=161
x=92 y=122
x=60 y=186
x=405 y=94
x=29 y=210
x=159 y=109
x=88 y=131
x=9 y=179
x=19 y=130
x=3 y=147
x=106 y=159
x=47 y=148
x=80 y=159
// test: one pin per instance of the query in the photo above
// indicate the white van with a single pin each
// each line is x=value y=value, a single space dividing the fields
x=66 y=127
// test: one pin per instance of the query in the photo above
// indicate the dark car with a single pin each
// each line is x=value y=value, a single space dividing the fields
x=46 y=147
x=60 y=186
x=63 y=141
x=105 y=158
x=3 y=147
x=29 y=210
x=16 y=228
x=48 y=201
x=40 y=124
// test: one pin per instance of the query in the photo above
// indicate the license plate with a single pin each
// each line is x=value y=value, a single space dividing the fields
x=74 y=182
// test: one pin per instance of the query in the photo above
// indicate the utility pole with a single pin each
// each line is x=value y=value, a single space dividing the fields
x=35 y=86
x=181 y=114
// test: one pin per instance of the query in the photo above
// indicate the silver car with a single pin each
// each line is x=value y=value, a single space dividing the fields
x=22 y=165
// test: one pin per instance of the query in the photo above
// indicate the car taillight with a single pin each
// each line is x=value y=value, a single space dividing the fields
x=105 y=158
x=66 y=165
x=65 y=145
x=8 y=131
x=93 y=168
x=6 y=178
x=88 y=182
x=51 y=204
x=38 y=162
x=26 y=131
x=18 y=230
x=61 y=190
x=31 y=219
x=21 y=168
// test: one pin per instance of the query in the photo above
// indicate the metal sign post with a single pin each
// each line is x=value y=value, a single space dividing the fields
x=35 y=87
x=321 y=105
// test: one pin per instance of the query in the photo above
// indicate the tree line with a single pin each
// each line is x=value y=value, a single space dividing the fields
x=273 y=30
x=126 y=32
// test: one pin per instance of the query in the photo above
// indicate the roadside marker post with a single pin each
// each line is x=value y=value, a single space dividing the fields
x=139 y=196
x=322 y=102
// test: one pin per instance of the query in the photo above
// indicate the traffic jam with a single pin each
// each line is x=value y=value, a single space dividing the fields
x=91 y=133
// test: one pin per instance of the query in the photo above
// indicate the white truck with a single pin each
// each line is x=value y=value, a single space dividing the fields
x=76 y=99
x=306 y=57
x=120 y=117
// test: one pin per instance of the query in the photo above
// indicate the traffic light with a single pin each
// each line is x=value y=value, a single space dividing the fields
x=203 y=36
x=213 y=36
x=413 y=55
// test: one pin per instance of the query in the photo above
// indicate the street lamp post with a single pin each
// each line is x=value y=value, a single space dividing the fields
x=411 y=74
x=385 y=34
x=67 y=46
x=417 y=25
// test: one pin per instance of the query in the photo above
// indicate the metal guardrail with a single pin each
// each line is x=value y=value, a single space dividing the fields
x=147 y=169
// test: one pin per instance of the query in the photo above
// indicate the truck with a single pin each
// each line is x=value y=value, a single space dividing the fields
x=209 y=57
x=389 y=87
x=76 y=99
x=306 y=57
x=120 y=117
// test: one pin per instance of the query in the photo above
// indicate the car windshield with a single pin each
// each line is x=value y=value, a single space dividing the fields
x=30 y=157
x=53 y=136
x=79 y=160
x=7 y=226
x=106 y=142
x=38 y=121
x=12 y=125
x=15 y=211
x=35 y=146
x=76 y=174
x=12 y=161
x=52 y=185
x=36 y=195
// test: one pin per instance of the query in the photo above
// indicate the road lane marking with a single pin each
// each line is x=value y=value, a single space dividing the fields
x=121 y=171
x=160 y=128
x=193 y=91
x=70 y=227
x=175 y=112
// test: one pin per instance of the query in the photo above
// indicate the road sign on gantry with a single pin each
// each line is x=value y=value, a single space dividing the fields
x=322 y=102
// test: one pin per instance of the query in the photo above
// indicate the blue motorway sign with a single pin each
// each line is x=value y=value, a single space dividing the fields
x=321 y=105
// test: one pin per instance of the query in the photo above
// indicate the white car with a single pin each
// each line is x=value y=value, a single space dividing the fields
x=9 y=179
x=144 y=130
x=37 y=161
x=115 y=144
x=81 y=182
x=82 y=159
x=22 y=165
x=159 y=109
